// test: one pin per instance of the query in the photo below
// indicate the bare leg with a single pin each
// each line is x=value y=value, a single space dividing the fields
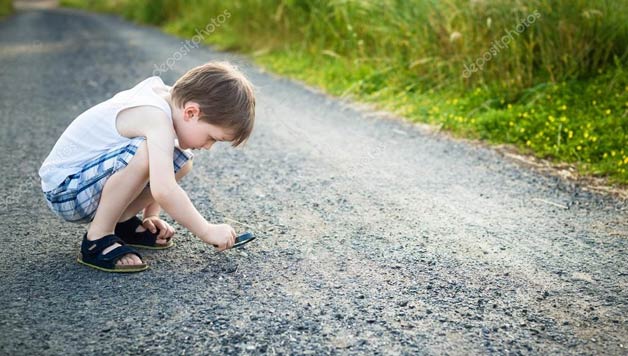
x=121 y=188
x=145 y=198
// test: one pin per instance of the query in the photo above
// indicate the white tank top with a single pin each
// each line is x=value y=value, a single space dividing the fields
x=94 y=132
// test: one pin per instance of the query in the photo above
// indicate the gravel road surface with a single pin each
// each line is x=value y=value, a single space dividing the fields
x=375 y=236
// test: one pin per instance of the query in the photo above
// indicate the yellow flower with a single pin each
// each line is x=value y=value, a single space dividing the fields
x=511 y=123
x=509 y=106
x=551 y=118
x=625 y=160
x=563 y=119
x=578 y=147
x=594 y=102
x=563 y=108
x=593 y=138
x=605 y=155
x=613 y=153
x=522 y=130
x=528 y=142
x=607 y=112
x=570 y=134
x=586 y=134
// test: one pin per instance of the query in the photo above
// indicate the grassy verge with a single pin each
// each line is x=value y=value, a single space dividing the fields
x=6 y=7
x=547 y=78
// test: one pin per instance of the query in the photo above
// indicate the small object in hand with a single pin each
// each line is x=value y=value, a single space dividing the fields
x=243 y=239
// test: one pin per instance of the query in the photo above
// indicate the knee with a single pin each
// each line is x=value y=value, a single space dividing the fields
x=187 y=168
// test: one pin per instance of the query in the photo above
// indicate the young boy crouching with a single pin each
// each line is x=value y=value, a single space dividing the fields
x=99 y=170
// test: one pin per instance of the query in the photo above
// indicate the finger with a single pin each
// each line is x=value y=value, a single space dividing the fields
x=233 y=233
x=150 y=226
x=167 y=226
x=162 y=232
x=158 y=224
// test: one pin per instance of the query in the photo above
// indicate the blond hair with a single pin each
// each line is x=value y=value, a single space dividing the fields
x=224 y=95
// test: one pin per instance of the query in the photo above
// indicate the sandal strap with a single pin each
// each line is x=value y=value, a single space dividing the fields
x=96 y=247
x=116 y=253
x=126 y=231
x=144 y=238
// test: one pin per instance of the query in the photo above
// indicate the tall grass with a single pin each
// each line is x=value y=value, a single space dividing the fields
x=424 y=41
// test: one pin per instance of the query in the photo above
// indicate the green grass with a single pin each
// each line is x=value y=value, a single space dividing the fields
x=6 y=7
x=559 y=90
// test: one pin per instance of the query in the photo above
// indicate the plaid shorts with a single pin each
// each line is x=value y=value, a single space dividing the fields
x=76 y=199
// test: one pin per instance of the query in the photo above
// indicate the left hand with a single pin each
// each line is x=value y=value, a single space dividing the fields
x=154 y=223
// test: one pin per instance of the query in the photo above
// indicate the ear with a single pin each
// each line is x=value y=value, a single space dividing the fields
x=191 y=110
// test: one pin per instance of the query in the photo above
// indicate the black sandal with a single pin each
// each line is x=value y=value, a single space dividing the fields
x=145 y=239
x=91 y=255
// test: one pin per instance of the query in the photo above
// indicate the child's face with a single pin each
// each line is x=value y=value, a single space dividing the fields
x=197 y=134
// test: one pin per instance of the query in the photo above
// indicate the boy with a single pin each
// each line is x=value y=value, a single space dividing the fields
x=99 y=170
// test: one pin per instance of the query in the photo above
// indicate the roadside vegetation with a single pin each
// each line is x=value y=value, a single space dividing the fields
x=549 y=77
x=6 y=7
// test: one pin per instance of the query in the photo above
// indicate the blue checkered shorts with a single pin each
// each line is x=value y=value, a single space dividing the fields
x=76 y=199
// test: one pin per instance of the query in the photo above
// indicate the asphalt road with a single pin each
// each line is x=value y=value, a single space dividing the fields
x=375 y=236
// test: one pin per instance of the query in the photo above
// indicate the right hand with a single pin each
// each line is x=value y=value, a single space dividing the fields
x=222 y=236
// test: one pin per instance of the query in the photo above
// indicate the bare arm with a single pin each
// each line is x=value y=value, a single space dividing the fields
x=153 y=124
x=164 y=188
